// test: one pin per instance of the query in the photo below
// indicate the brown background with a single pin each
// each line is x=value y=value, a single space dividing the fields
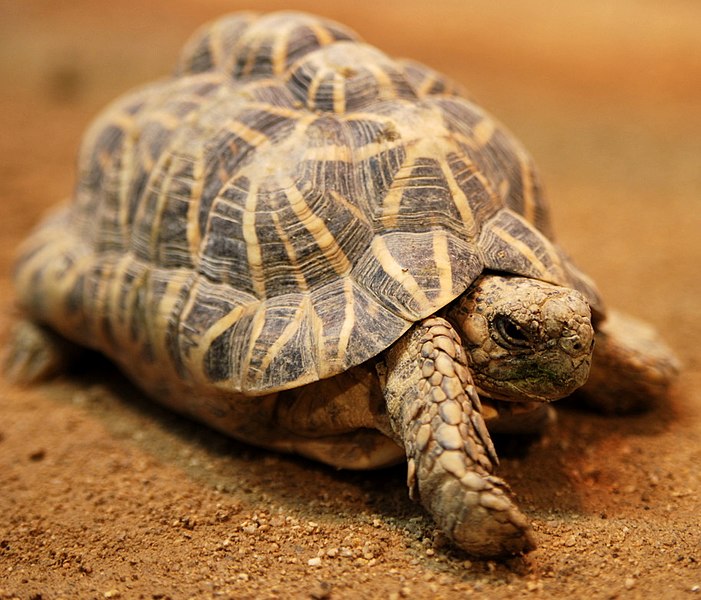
x=103 y=495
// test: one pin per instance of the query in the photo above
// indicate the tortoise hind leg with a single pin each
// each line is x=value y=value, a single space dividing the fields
x=632 y=367
x=35 y=353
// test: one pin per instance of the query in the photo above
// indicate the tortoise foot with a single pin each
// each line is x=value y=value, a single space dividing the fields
x=35 y=353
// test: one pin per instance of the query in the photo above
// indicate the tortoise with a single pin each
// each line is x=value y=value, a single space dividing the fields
x=319 y=249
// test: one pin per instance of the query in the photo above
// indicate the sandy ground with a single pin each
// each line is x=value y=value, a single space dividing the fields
x=104 y=495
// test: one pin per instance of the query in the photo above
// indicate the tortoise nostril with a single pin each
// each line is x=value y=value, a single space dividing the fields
x=574 y=344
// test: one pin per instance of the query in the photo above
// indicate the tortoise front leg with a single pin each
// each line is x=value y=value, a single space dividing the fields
x=436 y=415
x=632 y=367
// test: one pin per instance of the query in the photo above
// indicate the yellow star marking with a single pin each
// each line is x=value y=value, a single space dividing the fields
x=526 y=251
x=350 y=207
x=250 y=237
x=339 y=94
x=203 y=344
x=322 y=33
x=462 y=204
x=400 y=274
x=286 y=335
x=527 y=187
x=291 y=252
x=314 y=88
x=253 y=137
x=348 y=320
x=279 y=53
x=318 y=229
x=444 y=267
x=483 y=132
x=192 y=228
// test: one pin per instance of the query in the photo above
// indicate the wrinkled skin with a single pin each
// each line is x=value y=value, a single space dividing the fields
x=526 y=340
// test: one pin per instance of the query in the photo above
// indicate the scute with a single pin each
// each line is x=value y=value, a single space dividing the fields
x=247 y=45
x=282 y=209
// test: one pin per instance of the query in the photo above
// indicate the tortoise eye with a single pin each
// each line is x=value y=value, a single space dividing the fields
x=511 y=332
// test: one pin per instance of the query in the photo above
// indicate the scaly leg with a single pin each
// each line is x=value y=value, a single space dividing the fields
x=632 y=368
x=35 y=353
x=436 y=415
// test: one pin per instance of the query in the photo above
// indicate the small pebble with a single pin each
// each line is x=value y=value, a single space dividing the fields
x=37 y=455
x=321 y=591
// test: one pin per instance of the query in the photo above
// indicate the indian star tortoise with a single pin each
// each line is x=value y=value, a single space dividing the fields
x=319 y=249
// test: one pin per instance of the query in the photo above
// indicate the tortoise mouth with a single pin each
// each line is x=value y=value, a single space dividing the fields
x=537 y=388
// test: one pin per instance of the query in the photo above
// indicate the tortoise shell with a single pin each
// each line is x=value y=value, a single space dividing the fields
x=281 y=209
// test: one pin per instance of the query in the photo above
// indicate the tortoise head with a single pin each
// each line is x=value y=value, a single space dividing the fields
x=526 y=340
